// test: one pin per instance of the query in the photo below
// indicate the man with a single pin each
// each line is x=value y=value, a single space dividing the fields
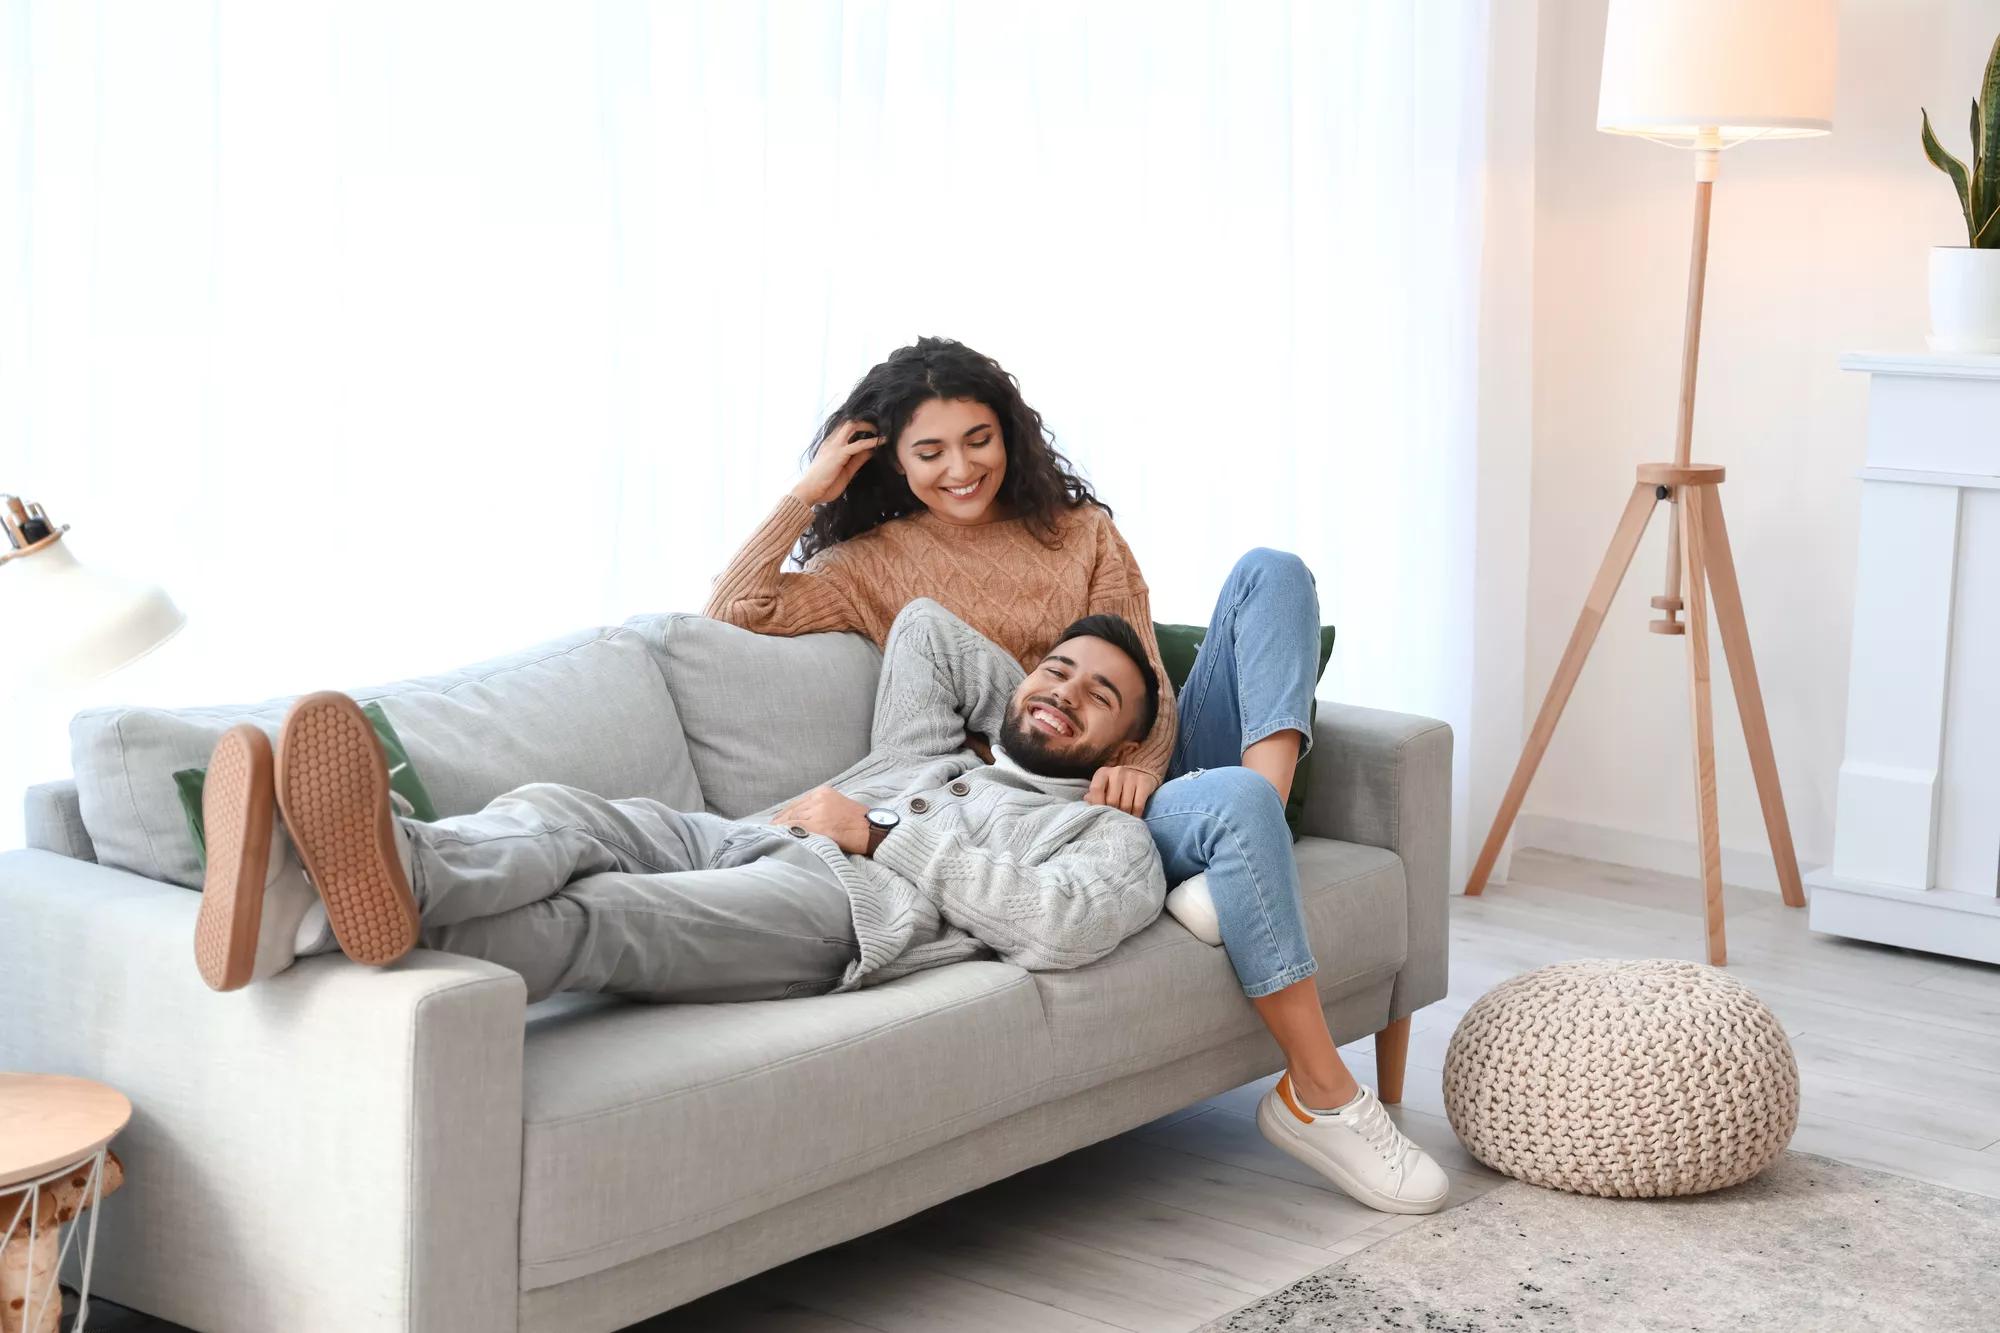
x=920 y=855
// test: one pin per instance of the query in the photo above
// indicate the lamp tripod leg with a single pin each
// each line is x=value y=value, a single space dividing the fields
x=1735 y=631
x=1700 y=707
x=1617 y=558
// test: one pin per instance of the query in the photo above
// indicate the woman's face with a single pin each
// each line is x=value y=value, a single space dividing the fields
x=954 y=458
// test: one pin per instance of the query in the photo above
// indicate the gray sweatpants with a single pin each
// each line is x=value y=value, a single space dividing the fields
x=629 y=897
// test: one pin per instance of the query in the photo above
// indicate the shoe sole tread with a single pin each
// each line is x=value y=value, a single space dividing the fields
x=333 y=785
x=236 y=809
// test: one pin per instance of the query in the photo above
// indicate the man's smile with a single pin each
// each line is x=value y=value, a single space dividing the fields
x=1050 y=718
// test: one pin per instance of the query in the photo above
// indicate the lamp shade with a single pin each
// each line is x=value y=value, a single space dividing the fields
x=1745 y=69
x=66 y=623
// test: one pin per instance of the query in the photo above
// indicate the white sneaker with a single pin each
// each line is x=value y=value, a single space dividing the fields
x=257 y=907
x=1191 y=904
x=315 y=933
x=1359 y=1148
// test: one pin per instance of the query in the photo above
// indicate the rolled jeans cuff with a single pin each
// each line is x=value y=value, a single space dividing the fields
x=1251 y=735
x=1291 y=976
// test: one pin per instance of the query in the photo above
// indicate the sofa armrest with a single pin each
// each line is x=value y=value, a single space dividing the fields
x=1384 y=780
x=54 y=820
x=337 y=1148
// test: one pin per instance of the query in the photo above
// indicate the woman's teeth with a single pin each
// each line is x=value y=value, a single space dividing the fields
x=962 y=491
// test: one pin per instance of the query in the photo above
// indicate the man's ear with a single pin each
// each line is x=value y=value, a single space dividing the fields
x=1121 y=756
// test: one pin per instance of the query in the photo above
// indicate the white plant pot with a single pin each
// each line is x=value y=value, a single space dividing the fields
x=1965 y=299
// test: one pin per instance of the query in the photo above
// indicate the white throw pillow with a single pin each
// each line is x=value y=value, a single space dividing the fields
x=1191 y=904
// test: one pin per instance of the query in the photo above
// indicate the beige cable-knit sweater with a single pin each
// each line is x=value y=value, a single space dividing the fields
x=997 y=577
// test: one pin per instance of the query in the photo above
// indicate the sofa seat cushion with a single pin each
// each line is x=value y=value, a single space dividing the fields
x=1163 y=993
x=766 y=717
x=590 y=710
x=649 y=1125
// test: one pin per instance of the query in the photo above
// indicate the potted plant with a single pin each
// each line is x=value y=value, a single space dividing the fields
x=1965 y=280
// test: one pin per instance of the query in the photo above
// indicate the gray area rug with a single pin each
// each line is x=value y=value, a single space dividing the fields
x=1810 y=1244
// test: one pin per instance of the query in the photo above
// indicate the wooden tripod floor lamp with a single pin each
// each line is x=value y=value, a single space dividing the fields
x=1703 y=75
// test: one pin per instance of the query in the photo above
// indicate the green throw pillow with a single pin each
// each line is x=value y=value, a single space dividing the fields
x=402 y=780
x=1178 y=646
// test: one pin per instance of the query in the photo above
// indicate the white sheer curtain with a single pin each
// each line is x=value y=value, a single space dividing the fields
x=388 y=336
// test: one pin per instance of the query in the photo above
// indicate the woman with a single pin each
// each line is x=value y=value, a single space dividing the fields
x=936 y=479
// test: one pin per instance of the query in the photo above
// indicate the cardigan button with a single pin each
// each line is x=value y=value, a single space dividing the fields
x=960 y=789
x=796 y=831
x=918 y=805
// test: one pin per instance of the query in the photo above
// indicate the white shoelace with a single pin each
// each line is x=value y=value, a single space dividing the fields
x=1381 y=1134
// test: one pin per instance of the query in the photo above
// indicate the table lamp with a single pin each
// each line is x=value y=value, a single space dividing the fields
x=1703 y=75
x=65 y=622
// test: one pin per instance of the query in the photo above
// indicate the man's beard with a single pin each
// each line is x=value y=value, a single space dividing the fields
x=1031 y=749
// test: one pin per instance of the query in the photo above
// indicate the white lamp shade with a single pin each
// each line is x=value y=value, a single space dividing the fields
x=1746 y=69
x=66 y=623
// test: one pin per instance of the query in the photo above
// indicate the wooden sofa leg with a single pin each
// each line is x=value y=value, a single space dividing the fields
x=1392 y=1048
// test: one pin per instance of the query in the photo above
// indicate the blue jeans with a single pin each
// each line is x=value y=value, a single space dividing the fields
x=1253 y=678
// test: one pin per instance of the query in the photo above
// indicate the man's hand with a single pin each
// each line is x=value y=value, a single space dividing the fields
x=1121 y=785
x=824 y=810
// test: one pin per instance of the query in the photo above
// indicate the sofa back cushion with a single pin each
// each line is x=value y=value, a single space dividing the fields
x=766 y=717
x=589 y=710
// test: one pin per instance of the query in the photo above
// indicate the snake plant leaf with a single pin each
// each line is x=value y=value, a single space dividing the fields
x=1953 y=168
x=1977 y=180
x=1985 y=193
x=1981 y=185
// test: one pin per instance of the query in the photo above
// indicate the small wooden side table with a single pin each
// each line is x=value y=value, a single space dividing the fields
x=52 y=1125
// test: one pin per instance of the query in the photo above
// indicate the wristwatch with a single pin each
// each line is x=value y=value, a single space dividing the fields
x=881 y=822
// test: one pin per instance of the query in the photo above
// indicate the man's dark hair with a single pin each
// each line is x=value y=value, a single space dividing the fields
x=1118 y=632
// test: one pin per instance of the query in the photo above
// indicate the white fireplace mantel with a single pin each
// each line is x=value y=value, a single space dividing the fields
x=1916 y=844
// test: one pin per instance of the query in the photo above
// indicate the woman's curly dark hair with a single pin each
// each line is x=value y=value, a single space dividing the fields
x=1040 y=483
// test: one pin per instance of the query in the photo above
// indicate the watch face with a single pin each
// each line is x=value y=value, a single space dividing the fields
x=883 y=818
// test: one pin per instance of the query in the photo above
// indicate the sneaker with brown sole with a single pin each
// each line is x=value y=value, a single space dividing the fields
x=333 y=786
x=237 y=824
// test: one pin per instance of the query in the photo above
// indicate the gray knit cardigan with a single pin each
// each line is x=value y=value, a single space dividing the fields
x=987 y=858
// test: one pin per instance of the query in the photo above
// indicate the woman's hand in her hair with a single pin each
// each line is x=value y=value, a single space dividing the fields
x=1121 y=785
x=839 y=456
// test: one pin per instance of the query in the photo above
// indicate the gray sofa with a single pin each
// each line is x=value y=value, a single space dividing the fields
x=343 y=1149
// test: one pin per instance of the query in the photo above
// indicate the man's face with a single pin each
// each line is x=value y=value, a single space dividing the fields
x=1076 y=711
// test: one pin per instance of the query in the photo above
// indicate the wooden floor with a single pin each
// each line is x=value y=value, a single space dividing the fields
x=1186 y=1219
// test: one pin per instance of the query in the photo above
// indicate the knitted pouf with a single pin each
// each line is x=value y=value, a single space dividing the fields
x=1632 y=1079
